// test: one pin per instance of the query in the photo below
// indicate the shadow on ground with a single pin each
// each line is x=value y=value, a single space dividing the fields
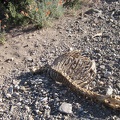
x=82 y=108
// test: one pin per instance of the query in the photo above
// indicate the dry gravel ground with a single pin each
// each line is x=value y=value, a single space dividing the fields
x=24 y=96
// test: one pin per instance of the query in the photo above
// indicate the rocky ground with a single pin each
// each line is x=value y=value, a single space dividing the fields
x=24 y=96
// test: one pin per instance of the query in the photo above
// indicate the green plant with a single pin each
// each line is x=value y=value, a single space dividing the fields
x=2 y=38
x=2 y=33
x=15 y=15
x=41 y=13
x=37 y=12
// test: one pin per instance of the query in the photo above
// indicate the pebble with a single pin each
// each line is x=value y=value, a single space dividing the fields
x=47 y=113
x=12 y=110
x=118 y=85
x=22 y=88
x=66 y=108
x=109 y=90
x=31 y=117
x=37 y=111
x=19 y=104
x=102 y=66
x=15 y=94
x=101 y=83
x=56 y=95
x=44 y=99
x=98 y=76
x=29 y=37
x=9 y=60
x=94 y=83
x=15 y=82
x=1 y=111
x=29 y=59
x=36 y=44
x=17 y=87
x=81 y=109
x=27 y=108
x=107 y=74
x=10 y=90
x=8 y=95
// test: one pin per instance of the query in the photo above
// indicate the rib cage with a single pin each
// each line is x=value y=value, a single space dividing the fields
x=76 y=71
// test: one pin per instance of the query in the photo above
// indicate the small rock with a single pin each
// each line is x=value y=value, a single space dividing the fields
x=27 y=101
x=66 y=108
x=22 y=88
x=15 y=94
x=9 y=60
x=2 y=108
x=1 y=111
x=10 y=89
x=94 y=83
x=29 y=59
x=118 y=85
x=27 y=108
x=25 y=46
x=12 y=109
x=33 y=34
x=20 y=99
x=109 y=90
x=19 y=104
x=102 y=66
x=98 y=76
x=44 y=99
x=97 y=50
x=31 y=117
x=43 y=60
x=55 y=95
x=69 y=35
x=47 y=113
x=99 y=55
x=116 y=91
x=101 y=83
x=8 y=95
x=107 y=74
x=29 y=37
x=57 y=99
x=0 y=99
x=15 y=82
x=65 y=118
x=71 y=48
x=36 y=45
x=16 y=87
x=37 y=111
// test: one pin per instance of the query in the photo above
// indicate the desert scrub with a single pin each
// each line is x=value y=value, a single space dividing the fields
x=37 y=12
x=42 y=13
x=15 y=13
x=2 y=37
x=2 y=33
